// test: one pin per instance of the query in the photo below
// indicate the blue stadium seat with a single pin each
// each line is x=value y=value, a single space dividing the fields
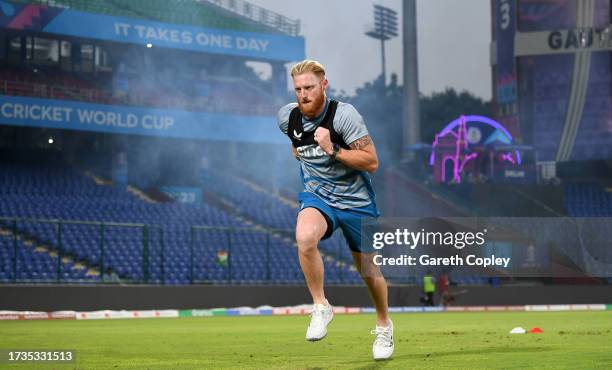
x=60 y=192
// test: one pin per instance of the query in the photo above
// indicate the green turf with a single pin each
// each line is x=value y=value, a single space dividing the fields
x=572 y=340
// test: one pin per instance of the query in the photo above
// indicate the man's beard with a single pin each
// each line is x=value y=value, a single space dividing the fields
x=311 y=109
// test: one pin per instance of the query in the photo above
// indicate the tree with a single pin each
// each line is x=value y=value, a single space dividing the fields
x=438 y=109
x=381 y=108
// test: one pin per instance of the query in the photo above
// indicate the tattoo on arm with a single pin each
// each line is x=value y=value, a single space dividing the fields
x=360 y=143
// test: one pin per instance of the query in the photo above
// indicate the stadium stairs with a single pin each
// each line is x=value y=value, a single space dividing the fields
x=412 y=197
x=592 y=198
x=57 y=192
x=37 y=261
x=256 y=205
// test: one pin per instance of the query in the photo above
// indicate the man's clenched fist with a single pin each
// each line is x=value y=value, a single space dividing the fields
x=322 y=138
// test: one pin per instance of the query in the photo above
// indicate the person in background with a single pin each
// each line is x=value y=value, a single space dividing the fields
x=429 y=288
x=445 y=297
x=110 y=277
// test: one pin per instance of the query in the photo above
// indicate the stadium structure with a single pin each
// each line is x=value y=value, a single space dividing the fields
x=133 y=137
x=135 y=113
x=143 y=175
x=551 y=86
x=545 y=150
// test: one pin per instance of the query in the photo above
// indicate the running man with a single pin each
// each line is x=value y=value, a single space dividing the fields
x=336 y=155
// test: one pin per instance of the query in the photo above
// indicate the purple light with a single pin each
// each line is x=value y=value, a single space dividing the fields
x=467 y=158
x=446 y=157
x=461 y=144
x=481 y=119
x=508 y=157
x=432 y=156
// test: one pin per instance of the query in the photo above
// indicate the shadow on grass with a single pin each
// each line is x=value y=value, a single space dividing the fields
x=433 y=355
x=371 y=365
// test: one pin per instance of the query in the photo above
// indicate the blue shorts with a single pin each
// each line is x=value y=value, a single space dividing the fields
x=349 y=220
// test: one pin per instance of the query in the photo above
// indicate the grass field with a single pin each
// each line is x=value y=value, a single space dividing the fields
x=571 y=340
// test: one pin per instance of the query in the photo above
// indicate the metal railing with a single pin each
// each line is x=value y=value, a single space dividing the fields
x=176 y=14
x=260 y=15
x=101 y=96
x=49 y=236
x=82 y=252
x=50 y=91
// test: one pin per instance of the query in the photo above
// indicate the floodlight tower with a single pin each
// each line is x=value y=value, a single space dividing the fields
x=411 y=109
x=384 y=28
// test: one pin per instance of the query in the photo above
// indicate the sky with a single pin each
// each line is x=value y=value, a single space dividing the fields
x=453 y=35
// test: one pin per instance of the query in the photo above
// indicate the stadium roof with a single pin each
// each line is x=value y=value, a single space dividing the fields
x=237 y=15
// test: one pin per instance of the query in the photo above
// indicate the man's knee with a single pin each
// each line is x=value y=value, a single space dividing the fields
x=307 y=239
x=311 y=227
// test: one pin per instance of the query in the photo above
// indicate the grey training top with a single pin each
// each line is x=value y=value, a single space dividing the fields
x=335 y=183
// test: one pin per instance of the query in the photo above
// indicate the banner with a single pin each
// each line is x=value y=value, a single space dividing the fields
x=563 y=45
x=184 y=195
x=70 y=22
x=563 y=41
x=70 y=115
x=506 y=94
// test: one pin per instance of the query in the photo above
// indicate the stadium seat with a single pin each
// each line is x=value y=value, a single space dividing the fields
x=60 y=192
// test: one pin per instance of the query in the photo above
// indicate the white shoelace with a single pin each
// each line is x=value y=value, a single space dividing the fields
x=383 y=336
x=317 y=312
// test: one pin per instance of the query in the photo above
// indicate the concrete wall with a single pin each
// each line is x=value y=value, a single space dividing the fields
x=87 y=298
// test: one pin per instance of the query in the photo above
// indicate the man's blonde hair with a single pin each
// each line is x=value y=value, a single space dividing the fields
x=306 y=66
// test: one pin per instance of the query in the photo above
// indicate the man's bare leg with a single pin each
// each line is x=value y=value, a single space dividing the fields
x=310 y=228
x=377 y=286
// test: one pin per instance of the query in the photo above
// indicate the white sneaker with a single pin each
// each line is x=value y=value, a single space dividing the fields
x=320 y=317
x=383 y=344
